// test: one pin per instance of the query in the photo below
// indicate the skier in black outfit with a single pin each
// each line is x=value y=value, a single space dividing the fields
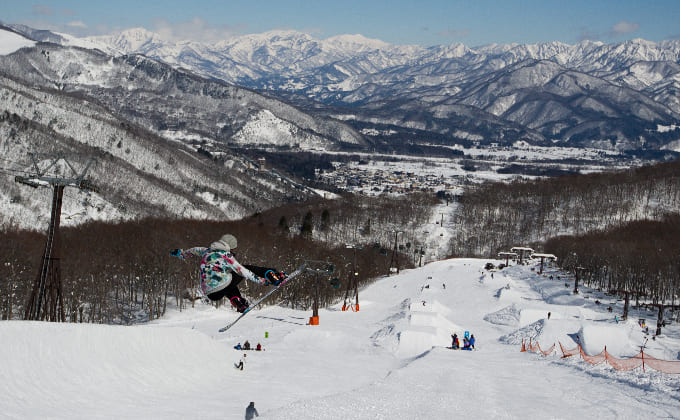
x=251 y=411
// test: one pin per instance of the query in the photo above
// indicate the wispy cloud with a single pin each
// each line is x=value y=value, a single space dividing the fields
x=196 y=29
x=587 y=35
x=42 y=10
x=77 y=24
x=620 y=29
x=454 y=33
x=623 y=28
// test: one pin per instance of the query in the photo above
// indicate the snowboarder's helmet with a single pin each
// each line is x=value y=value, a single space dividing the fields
x=225 y=243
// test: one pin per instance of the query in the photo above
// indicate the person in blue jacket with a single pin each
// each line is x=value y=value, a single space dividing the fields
x=472 y=342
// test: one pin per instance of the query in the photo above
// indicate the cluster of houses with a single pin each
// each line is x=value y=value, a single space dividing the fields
x=376 y=181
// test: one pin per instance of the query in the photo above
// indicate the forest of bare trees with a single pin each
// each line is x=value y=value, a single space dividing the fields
x=122 y=273
x=619 y=230
x=640 y=259
x=496 y=216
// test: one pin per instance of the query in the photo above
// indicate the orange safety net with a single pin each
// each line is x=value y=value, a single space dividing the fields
x=639 y=360
x=546 y=352
x=625 y=364
x=533 y=347
x=568 y=353
x=594 y=360
x=664 y=366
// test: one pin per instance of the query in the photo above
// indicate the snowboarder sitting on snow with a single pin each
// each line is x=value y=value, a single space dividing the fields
x=246 y=345
x=455 y=344
x=259 y=347
x=221 y=273
x=238 y=346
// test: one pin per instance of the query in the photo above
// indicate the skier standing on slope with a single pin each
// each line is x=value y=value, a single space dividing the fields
x=251 y=411
x=221 y=272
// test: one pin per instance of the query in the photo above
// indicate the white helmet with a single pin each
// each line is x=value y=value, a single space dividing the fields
x=225 y=243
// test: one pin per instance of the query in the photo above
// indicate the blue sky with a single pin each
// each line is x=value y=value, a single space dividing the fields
x=424 y=22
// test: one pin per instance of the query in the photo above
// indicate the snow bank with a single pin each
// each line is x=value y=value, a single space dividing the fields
x=510 y=315
x=618 y=338
x=10 y=42
x=427 y=328
x=130 y=366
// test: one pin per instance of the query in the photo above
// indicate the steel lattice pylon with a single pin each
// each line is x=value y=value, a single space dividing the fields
x=45 y=302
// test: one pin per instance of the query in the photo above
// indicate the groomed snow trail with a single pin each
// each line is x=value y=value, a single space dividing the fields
x=387 y=361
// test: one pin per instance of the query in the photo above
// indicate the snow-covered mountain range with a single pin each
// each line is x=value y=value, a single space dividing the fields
x=623 y=96
x=145 y=103
x=613 y=96
x=163 y=138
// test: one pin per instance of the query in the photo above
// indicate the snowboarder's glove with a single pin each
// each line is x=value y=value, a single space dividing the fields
x=272 y=278
x=177 y=253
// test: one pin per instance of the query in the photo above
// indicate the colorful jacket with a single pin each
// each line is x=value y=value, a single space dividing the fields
x=217 y=267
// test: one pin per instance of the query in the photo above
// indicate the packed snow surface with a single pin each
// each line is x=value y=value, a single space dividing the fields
x=389 y=360
x=10 y=42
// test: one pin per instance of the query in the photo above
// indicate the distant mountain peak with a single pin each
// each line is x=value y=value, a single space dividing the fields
x=357 y=42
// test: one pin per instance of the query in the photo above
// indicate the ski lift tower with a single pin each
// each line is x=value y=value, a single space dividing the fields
x=543 y=257
x=318 y=268
x=523 y=252
x=46 y=301
x=394 y=261
x=352 y=285
x=507 y=256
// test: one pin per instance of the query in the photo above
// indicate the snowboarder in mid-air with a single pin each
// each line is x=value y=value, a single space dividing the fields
x=221 y=272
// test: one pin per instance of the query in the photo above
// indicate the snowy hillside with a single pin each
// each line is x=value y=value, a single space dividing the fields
x=10 y=42
x=388 y=360
x=161 y=137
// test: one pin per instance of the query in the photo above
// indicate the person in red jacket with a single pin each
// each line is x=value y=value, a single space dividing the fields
x=455 y=344
x=221 y=272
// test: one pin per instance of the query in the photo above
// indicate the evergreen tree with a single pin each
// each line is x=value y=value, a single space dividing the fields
x=307 y=228
x=283 y=224
x=325 y=220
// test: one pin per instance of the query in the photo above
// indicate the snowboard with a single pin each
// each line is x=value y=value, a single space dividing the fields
x=290 y=277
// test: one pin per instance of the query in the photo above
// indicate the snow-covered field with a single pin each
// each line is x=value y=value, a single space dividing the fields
x=387 y=361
